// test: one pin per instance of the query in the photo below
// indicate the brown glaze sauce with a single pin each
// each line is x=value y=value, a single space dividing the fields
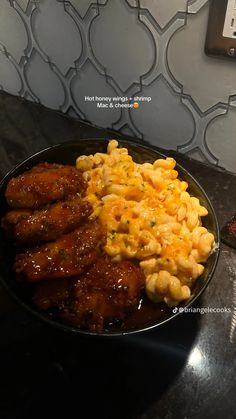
x=71 y=254
x=146 y=315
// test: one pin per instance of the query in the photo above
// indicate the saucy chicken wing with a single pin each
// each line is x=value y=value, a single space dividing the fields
x=107 y=292
x=53 y=293
x=71 y=274
x=43 y=184
x=50 y=223
x=67 y=256
x=12 y=218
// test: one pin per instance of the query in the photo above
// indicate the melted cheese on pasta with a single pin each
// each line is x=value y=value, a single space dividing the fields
x=150 y=216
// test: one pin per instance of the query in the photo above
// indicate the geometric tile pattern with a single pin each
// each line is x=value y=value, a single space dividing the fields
x=59 y=51
x=208 y=80
x=224 y=150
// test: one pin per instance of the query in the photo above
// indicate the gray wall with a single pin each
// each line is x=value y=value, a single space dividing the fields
x=57 y=52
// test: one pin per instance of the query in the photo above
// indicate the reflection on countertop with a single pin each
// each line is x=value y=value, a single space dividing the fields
x=184 y=369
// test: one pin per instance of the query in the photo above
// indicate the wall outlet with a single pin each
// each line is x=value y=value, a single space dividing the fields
x=221 y=31
x=229 y=30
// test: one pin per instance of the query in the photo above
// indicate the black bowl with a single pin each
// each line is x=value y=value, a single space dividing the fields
x=66 y=154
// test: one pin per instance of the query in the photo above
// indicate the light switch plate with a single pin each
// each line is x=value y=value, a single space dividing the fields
x=229 y=29
x=221 y=31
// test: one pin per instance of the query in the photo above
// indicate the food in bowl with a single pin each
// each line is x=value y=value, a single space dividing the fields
x=149 y=216
x=82 y=237
x=60 y=250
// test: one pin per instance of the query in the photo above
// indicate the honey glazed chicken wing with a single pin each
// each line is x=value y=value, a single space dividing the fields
x=12 y=218
x=53 y=293
x=106 y=293
x=67 y=256
x=43 y=184
x=50 y=223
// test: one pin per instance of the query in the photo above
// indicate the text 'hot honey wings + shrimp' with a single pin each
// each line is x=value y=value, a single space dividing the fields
x=149 y=215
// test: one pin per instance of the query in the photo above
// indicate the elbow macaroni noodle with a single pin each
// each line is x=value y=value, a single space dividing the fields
x=149 y=216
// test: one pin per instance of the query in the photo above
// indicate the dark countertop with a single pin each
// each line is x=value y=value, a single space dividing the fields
x=184 y=370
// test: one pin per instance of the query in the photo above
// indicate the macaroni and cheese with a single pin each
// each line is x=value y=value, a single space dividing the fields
x=149 y=216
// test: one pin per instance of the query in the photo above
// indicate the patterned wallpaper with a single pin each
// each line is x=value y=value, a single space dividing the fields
x=57 y=52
